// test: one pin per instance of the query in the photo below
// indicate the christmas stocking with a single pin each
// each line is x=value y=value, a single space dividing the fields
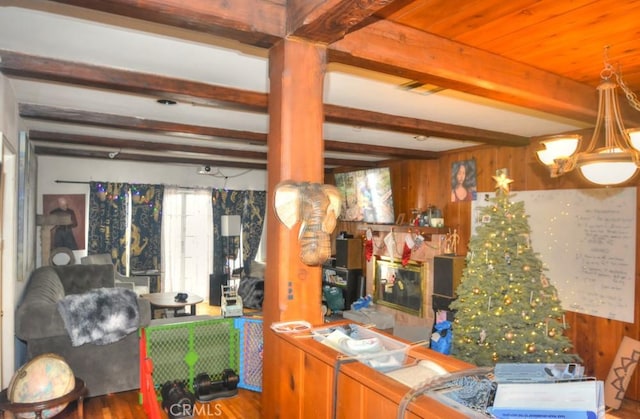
x=368 y=245
x=406 y=250
x=368 y=249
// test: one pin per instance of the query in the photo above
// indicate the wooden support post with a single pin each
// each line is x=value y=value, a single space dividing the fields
x=292 y=289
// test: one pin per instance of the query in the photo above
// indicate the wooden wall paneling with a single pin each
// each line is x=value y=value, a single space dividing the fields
x=633 y=390
x=605 y=344
x=421 y=183
x=595 y=339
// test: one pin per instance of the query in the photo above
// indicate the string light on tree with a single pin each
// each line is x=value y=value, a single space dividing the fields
x=507 y=309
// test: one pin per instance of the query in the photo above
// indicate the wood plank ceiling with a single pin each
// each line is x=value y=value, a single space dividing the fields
x=543 y=57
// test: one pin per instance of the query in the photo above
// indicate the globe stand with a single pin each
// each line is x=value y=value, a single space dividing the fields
x=78 y=393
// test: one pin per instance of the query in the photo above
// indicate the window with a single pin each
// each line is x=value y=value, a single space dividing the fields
x=187 y=240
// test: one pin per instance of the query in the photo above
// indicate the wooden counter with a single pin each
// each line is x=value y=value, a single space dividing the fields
x=362 y=392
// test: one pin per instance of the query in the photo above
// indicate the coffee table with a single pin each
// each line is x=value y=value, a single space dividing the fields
x=167 y=300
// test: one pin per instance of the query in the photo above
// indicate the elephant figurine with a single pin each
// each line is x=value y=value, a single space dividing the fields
x=317 y=207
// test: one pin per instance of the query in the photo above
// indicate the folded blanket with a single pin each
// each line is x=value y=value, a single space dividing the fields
x=100 y=316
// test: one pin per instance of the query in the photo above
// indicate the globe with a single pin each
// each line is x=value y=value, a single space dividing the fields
x=45 y=377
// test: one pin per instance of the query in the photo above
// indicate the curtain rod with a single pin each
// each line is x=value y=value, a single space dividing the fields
x=72 y=181
x=176 y=186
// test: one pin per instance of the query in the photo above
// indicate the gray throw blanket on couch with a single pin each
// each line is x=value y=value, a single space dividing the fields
x=100 y=316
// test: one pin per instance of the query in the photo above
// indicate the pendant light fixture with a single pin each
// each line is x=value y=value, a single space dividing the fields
x=614 y=161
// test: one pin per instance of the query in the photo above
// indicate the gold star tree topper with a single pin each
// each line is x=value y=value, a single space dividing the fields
x=502 y=181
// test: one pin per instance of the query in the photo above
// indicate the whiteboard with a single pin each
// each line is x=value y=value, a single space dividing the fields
x=586 y=238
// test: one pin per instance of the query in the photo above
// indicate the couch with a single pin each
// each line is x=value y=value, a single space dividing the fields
x=109 y=368
x=139 y=284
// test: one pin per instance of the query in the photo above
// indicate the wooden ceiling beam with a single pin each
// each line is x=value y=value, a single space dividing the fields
x=122 y=144
x=71 y=116
x=50 y=113
x=377 y=150
x=49 y=69
x=378 y=120
x=377 y=45
x=136 y=145
x=399 y=50
x=97 y=154
x=327 y=21
x=259 y=23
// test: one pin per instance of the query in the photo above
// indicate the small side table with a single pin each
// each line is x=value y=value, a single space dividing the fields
x=78 y=393
x=167 y=300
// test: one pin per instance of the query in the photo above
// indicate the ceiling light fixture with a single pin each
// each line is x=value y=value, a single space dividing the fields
x=166 y=101
x=618 y=159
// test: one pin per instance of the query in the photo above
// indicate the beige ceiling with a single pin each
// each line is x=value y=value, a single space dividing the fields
x=87 y=80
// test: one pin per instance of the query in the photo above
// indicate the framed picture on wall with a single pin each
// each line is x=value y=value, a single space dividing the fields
x=463 y=181
x=71 y=236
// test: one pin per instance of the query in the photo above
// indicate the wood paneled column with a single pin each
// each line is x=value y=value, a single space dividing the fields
x=292 y=289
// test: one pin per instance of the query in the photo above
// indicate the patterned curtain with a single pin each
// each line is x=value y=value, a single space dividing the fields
x=108 y=221
x=252 y=219
x=146 y=223
x=250 y=205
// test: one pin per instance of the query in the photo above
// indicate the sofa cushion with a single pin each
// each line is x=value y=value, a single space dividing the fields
x=77 y=279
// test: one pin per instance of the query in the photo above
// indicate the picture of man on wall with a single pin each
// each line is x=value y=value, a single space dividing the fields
x=70 y=236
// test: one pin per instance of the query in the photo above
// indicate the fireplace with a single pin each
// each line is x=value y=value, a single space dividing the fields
x=399 y=287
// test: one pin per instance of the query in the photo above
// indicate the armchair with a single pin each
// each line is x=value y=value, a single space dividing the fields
x=139 y=284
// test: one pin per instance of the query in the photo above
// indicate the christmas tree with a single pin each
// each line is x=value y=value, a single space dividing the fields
x=507 y=309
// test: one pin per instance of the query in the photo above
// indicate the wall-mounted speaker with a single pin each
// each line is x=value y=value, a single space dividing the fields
x=349 y=253
x=447 y=272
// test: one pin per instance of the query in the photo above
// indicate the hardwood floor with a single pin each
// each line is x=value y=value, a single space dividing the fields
x=246 y=405
x=125 y=405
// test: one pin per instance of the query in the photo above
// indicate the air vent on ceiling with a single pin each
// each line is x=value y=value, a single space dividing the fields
x=421 y=88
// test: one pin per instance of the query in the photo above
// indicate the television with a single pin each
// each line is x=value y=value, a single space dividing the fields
x=366 y=195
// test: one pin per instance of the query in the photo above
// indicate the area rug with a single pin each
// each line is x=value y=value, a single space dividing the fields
x=100 y=316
